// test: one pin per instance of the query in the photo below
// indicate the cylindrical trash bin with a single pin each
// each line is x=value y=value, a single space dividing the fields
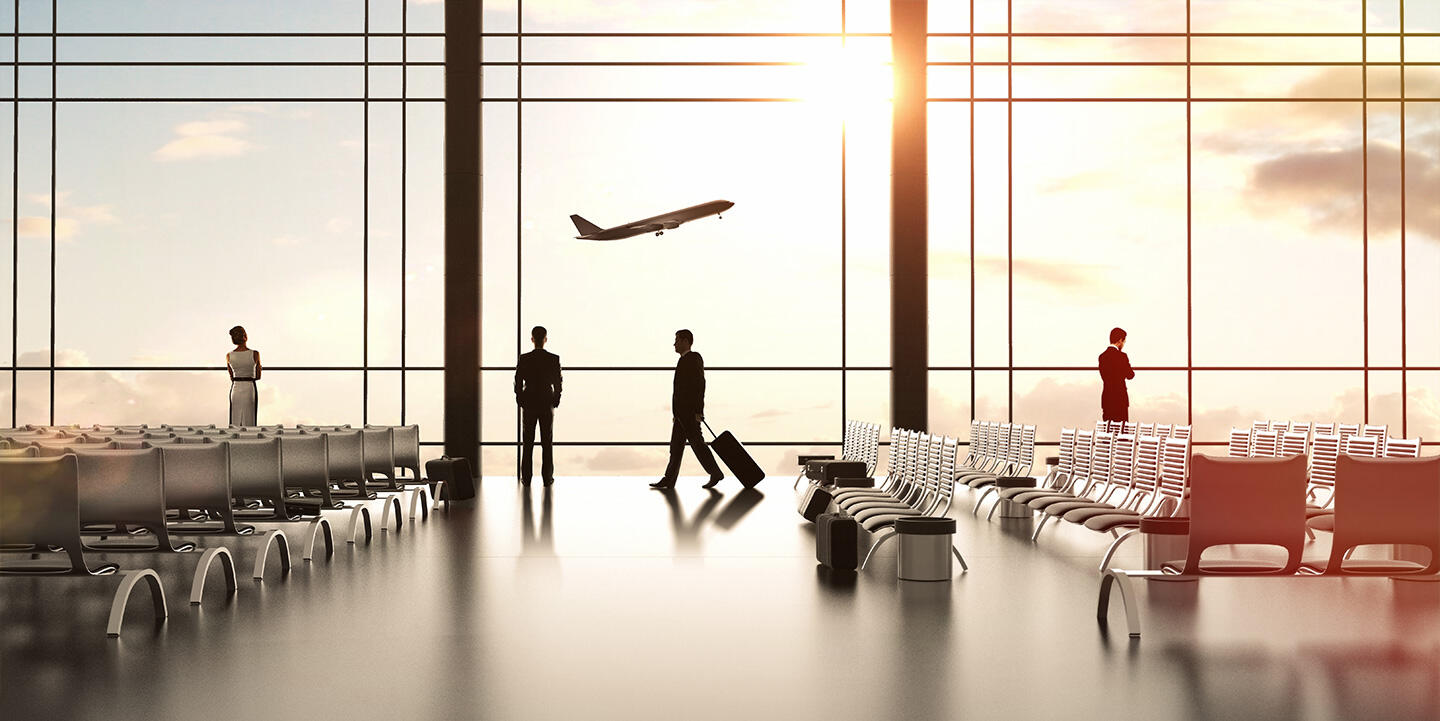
x=925 y=548
x=1166 y=540
x=1009 y=508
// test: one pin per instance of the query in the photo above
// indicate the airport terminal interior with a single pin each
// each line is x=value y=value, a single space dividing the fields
x=719 y=359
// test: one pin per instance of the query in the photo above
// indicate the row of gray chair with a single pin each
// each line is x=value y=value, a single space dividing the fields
x=143 y=490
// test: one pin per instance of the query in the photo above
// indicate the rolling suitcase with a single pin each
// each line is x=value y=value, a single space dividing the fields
x=455 y=472
x=814 y=502
x=837 y=541
x=736 y=458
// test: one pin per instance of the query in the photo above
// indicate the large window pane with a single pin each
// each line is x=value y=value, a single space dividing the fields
x=759 y=288
x=201 y=217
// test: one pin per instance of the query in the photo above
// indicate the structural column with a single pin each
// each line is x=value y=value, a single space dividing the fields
x=462 y=230
x=909 y=221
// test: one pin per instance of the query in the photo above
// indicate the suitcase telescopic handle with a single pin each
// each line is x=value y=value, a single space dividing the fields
x=708 y=428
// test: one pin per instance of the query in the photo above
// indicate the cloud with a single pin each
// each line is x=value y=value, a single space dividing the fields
x=70 y=221
x=337 y=225
x=205 y=139
x=285 y=241
x=1062 y=276
x=1326 y=185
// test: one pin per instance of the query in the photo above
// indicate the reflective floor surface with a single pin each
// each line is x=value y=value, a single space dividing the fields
x=601 y=598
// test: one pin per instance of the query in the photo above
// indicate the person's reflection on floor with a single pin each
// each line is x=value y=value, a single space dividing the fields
x=542 y=543
x=687 y=533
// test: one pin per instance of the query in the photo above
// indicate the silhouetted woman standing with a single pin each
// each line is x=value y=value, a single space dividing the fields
x=244 y=367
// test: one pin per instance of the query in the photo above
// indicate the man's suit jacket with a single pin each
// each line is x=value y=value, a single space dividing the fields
x=1114 y=371
x=689 y=396
x=537 y=380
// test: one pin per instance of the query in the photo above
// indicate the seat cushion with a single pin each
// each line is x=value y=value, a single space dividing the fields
x=1083 y=514
x=1322 y=523
x=1060 y=509
x=1369 y=567
x=1111 y=521
x=900 y=509
x=875 y=523
x=854 y=508
x=1047 y=500
x=1032 y=494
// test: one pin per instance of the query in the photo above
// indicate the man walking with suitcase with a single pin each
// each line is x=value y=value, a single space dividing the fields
x=537 y=392
x=687 y=407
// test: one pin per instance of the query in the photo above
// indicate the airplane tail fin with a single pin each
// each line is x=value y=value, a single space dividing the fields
x=584 y=226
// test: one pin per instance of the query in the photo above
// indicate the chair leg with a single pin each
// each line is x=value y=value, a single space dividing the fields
x=319 y=527
x=273 y=538
x=439 y=492
x=1132 y=612
x=976 y=510
x=417 y=493
x=357 y=515
x=391 y=502
x=122 y=598
x=963 y=566
x=202 y=571
x=875 y=547
x=1044 y=519
x=1115 y=546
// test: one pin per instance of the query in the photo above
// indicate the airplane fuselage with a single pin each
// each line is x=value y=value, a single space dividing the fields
x=660 y=223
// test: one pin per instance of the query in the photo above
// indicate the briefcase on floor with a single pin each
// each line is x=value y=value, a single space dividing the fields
x=826 y=471
x=815 y=501
x=736 y=458
x=455 y=472
x=837 y=541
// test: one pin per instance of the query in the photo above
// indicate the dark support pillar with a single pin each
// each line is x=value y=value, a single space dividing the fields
x=909 y=256
x=462 y=230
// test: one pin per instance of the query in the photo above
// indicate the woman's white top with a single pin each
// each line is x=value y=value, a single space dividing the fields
x=242 y=363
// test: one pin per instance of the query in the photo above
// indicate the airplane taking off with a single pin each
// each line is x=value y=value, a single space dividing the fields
x=657 y=225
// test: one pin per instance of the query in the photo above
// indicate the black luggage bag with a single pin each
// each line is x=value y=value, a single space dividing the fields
x=837 y=541
x=455 y=472
x=827 y=471
x=736 y=458
x=815 y=501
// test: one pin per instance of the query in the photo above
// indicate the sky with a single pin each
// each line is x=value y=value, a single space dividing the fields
x=177 y=220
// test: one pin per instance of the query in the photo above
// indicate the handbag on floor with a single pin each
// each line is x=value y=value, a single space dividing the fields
x=455 y=472
x=837 y=541
x=815 y=501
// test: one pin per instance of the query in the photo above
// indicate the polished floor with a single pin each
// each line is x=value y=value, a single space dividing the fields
x=603 y=599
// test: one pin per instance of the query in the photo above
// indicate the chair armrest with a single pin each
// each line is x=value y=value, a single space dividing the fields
x=866 y=482
x=1165 y=526
x=1014 y=482
x=807 y=459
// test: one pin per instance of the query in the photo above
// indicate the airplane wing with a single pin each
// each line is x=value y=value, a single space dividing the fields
x=648 y=227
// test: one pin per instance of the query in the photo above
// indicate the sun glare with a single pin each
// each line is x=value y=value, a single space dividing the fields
x=849 y=80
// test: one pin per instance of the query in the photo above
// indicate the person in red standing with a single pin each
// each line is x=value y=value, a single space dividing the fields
x=1114 y=371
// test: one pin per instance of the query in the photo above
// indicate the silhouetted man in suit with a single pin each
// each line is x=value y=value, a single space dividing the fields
x=1114 y=371
x=687 y=407
x=537 y=392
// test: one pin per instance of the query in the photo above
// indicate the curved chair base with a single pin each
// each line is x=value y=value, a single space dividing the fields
x=986 y=493
x=357 y=515
x=1115 y=546
x=419 y=494
x=1127 y=593
x=391 y=501
x=319 y=527
x=1044 y=519
x=122 y=598
x=964 y=567
x=272 y=538
x=202 y=571
x=439 y=492
x=875 y=547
